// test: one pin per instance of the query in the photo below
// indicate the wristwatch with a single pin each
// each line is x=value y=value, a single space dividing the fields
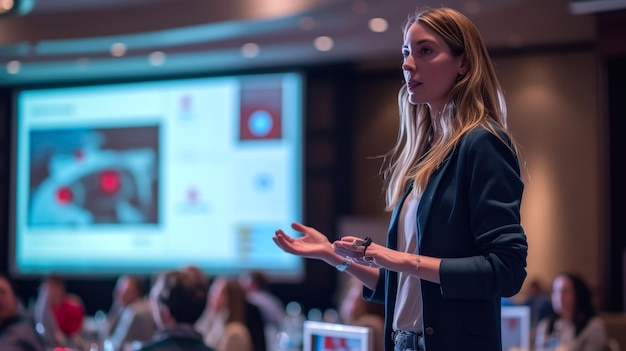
x=343 y=265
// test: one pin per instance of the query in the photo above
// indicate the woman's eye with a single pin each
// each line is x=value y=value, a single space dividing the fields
x=405 y=54
x=425 y=50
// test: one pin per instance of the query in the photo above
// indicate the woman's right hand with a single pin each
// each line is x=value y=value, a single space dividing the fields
x=312 y=244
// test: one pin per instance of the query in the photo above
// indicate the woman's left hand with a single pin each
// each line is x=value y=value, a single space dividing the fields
x=374 y=255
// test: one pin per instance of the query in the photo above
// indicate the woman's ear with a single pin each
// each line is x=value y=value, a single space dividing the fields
x=463 y=65
x=166 y=315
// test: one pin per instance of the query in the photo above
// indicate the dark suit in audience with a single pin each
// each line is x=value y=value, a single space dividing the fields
x=17 y=331
x=177 y=300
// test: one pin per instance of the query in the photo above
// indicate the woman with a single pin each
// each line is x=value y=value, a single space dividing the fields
x=236 y=325
x=574 y=325
x=455 y=245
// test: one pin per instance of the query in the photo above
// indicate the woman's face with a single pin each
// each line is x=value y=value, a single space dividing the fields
x=217 y=295
x=563 y=297
x=430 y=69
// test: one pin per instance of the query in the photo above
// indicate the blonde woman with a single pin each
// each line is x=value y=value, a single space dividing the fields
x=455 y=244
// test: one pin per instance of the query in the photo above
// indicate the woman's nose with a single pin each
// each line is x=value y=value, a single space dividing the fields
x=408 y=64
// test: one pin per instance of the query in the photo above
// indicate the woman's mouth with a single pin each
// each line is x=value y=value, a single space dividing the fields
x=412 y=85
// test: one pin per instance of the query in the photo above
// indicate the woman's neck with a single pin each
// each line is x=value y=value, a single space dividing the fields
x=436 y=133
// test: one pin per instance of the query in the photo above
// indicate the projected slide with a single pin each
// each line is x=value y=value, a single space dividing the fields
x=149 y=176
x=90 y=176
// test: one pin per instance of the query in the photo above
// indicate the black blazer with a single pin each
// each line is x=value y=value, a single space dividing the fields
x=469 y=216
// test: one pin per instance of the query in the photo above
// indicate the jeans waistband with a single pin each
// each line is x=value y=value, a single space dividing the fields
x=405 y=339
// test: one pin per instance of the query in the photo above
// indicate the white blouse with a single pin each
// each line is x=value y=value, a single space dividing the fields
x=592 y=338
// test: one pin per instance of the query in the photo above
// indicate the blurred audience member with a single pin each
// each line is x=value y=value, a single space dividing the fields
x=17 y=332
x=177 y=299
x=538 y=299
x=196 y=272
x=59 y=314
x=234 y=323
x=130 y=318
x=256 y=285
x=354 y=310
x=574 y=325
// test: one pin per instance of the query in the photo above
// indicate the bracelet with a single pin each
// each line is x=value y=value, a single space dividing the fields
x=343 y=265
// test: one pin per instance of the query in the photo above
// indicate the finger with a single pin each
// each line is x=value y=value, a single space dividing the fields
x=279 y=233
x=347 y=245
x=299 y=227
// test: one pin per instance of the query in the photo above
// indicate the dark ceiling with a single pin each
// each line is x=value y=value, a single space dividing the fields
x=68 y=41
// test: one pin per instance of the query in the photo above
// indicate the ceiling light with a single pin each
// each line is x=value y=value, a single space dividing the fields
x=13 y=67
x=6 y=5
x=15 y=7
x=157 y=58
x=378 y=25
x=323 y=43
x=250 y=50
x=118 y=49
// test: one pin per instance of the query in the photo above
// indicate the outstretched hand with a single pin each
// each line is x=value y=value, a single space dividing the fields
x=312 y=244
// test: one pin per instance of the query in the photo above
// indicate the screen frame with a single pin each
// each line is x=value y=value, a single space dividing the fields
x=522 y=314
x=315 y=328
x=13 y=267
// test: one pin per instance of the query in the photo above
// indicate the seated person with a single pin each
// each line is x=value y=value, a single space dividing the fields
x=574 y=324
x=130 y=317
x=234 y=323
x=256 y=285
x=59 y=313
x=354 y=310
x=17 y=332
x=177 y=300
x=538 y=300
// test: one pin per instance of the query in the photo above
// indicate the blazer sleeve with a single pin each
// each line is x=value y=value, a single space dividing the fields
x=494 y=186
x=378 y=294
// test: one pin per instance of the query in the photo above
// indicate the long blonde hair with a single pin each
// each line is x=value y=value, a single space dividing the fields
x=476 y=99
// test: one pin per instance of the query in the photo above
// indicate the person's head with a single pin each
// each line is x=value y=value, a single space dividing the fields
x=177 y=298
x=446 y=62
x=254 y=281
x=535 y=288
x=197 y=273
x=571 y=297
x=54 y=287
x=9 y=303
x=128 y=289
x=226 y=294
x=450 y=88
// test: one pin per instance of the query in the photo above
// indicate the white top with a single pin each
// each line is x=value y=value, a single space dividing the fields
x=592 y=338
x=408 y=311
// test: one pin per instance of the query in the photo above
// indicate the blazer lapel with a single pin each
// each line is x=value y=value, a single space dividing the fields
x=424 y=206
x=392 y=232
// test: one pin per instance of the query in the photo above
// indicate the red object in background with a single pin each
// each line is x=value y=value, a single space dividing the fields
x=333 y=343
x=266 y=96
x=64 y=195
x=109 y=181
x=69 y=315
